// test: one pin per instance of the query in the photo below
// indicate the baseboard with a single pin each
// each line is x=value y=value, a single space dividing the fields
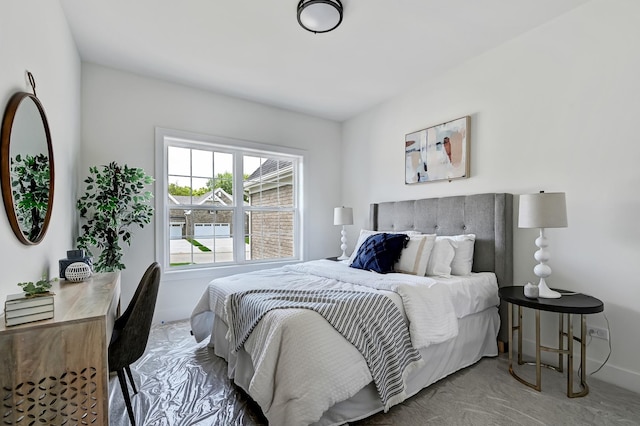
x=168 y=315
x=609 y=373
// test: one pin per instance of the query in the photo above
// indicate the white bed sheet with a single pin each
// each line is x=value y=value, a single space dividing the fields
x=476 y=339
x=472 y=293
x=468 y=294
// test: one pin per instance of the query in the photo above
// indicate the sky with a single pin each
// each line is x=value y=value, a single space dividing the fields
x=203 y=165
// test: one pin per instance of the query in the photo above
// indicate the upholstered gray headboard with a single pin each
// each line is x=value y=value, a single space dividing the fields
x=488 y=216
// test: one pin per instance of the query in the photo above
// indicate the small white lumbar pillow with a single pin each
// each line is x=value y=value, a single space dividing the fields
x=415 y=256
x=463 y=246
x=441 y=257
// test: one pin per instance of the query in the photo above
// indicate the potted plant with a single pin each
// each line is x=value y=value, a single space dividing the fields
x=40 y=287
x=34 y=303
x=114 y=201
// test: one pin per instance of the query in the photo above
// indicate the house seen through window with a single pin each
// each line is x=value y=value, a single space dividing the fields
x=227 y=204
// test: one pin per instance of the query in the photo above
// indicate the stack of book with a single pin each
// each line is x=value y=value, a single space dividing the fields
x=19 y=309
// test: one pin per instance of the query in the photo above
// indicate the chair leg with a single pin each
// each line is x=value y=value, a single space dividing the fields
x=133 y=384
x=125 y=393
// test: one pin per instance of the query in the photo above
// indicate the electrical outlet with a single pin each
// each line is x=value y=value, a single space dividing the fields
x=600 y=333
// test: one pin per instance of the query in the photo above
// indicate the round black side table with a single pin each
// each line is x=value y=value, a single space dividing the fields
x=570 y=303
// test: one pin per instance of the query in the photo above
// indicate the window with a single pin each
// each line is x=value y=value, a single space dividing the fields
x=225 y=202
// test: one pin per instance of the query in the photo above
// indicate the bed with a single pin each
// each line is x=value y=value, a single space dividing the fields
x=301 y=370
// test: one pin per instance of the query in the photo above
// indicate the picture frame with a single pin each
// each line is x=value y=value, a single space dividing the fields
x=437 y=153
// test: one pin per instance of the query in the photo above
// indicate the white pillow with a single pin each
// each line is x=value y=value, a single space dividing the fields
x=415 y=256
x=463 y=246
x=441 y=257
x=364 y=234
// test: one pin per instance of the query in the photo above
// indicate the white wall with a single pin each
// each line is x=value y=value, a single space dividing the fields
x=554 y=110
x=34 y=36
x=120 y=113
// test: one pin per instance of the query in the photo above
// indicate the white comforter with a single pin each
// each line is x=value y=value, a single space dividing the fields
x=302 y=365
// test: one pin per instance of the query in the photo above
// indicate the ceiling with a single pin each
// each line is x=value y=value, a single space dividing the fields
x=255 y=49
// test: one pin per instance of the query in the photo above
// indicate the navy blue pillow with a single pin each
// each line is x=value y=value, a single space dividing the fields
x=380 y=252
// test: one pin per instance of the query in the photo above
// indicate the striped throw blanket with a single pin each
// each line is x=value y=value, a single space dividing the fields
x=369 y=321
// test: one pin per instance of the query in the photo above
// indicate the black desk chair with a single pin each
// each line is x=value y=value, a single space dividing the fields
x=131 y=331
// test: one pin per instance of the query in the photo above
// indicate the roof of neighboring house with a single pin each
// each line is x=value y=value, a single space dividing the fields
x=271 y=165
x=219 y=195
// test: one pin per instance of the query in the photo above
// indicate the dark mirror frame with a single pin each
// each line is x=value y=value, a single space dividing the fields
x=5 y=166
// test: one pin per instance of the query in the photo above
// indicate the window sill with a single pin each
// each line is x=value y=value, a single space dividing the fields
x=222 y=271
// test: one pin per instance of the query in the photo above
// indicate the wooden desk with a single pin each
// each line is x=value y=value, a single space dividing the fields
x=55 y=371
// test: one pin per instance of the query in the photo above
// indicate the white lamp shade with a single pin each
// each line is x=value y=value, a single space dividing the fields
x=343 y=216
x=543 y=210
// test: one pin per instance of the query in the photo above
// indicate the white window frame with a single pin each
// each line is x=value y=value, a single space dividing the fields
x=169 y=137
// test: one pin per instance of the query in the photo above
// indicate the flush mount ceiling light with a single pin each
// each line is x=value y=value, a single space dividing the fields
x=319 y=16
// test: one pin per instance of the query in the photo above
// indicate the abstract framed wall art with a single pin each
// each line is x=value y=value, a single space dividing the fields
x=440 y=152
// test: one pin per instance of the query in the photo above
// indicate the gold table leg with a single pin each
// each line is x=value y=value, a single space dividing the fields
x=584 y=388
x=560 y=342
x=512 y=329
x=510 y=341
x=538 y=360
x=520 y=335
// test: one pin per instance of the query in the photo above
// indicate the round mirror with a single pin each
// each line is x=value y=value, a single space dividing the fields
x=26 y=167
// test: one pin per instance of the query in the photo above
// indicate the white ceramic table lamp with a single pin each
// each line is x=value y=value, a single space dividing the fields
x=343 y=216
x=543 y=210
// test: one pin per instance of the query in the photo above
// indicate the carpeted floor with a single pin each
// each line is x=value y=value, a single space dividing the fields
x=181 y=382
